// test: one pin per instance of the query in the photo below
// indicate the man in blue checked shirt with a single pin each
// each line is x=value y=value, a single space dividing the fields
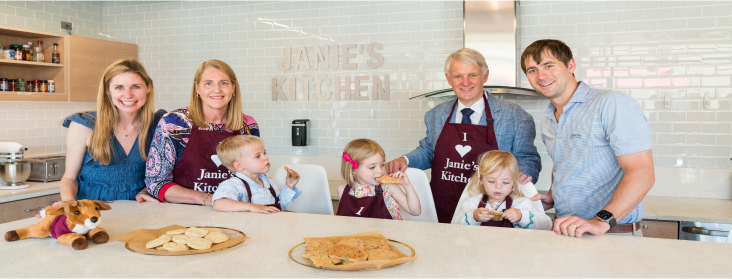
x=599 y=142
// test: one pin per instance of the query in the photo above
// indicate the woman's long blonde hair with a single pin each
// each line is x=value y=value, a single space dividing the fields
x=234 y=114
x=492 y=162
x=359 y=150
x=100 y=143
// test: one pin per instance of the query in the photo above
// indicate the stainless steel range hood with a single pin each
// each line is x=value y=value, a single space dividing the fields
x=490 y=28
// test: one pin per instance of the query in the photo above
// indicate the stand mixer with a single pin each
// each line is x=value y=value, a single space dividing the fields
x=13 y=171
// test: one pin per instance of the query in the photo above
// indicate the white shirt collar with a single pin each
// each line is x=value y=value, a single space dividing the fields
x=251 y=182
x=478 y=109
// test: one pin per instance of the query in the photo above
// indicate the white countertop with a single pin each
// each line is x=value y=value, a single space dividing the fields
x=444 y=250
x=654 y=207
x=36 y=189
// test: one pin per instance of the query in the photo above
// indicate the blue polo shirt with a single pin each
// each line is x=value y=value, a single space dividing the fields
x=595 y=127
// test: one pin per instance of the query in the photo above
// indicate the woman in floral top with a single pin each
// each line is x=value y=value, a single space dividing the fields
x=182 y=166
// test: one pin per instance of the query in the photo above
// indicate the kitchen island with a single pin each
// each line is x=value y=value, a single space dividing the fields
x=443 y=250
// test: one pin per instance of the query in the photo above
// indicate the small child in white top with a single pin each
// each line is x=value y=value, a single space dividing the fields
x=495 y=186
x=248 y=189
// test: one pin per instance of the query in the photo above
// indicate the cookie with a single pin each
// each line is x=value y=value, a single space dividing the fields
x=320 y=258
x=158 y=241
x=196 y=232
x=293 y=173
x=374 y=243
x=199 y=243
x=318 y=244
x=353 y=243
x=216 y=237
x=176 y=232
x=173 y=247
x=160 y=248
x=385 y=179
x=210 y=230
x=180 y=238
x=347 y=253
x=496 y=215
x=381 y=254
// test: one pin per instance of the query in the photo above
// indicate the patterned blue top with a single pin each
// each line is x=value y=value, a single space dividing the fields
x=123 y=178
x=234 y=189
x=595 y=127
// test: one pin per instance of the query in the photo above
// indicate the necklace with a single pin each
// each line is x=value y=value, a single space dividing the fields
x=134 y=130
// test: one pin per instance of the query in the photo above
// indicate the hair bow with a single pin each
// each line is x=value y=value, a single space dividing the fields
x=354 y=164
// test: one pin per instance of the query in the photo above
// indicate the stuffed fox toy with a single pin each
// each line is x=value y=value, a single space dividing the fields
x=71 y=224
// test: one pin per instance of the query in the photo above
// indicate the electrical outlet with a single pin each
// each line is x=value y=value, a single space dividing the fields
x=66 y=25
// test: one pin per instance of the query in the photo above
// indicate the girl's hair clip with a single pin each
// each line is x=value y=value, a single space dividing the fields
x=354 y=164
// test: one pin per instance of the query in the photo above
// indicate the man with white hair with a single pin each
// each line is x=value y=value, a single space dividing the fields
x=474 y=123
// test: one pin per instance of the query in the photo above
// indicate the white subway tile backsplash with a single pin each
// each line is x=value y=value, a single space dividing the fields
x=704 y=139
x=699 y=116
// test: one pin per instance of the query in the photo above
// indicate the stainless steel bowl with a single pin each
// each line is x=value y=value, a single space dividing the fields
x=14 y=173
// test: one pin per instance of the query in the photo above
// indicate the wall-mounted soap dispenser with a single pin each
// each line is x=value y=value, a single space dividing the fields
x=300 y=132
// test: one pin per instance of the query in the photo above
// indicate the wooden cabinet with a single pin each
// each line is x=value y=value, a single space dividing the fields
x=660 y=229
x=88 y=58
x=83 y=61
x=16 y=210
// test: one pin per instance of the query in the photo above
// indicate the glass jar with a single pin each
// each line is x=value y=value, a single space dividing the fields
x=44 y=86
x=51 y=86
x=19 y=53
x=11 y=84
x=36 y=86
x=20 y=85
x=4 y=84
x=29 y=86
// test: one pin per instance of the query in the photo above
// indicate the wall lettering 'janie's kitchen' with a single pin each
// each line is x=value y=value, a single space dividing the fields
x=327 y=57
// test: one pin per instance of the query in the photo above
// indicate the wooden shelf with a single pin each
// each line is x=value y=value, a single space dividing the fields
x=22 y=63
x=24 y=33
x=33 y=96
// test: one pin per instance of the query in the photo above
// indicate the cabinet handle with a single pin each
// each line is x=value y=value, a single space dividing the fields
x=698 y=230
x=645 y=227
x=34 y=209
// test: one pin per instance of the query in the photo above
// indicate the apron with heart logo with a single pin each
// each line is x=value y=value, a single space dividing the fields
x=199 y=168
x=455 y=161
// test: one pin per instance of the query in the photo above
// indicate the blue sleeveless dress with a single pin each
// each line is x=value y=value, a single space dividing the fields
x=123 y=178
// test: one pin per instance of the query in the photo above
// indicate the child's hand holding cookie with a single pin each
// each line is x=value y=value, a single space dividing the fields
x=482 y=214
x=292 y=178
x=402 y=176
x=512 y=214
x=258 y=208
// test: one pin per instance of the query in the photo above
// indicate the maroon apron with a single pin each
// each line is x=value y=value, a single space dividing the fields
x=271 y=190
x=196 y=168
x=505 y=223
x=455 y=161
x=370 y=207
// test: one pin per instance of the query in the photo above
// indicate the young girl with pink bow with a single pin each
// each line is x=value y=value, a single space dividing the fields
x=362 y=195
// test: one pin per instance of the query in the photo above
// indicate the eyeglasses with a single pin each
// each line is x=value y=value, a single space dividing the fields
x=222 y=84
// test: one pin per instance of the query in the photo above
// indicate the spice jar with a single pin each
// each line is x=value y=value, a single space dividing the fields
x=20 y=85
x=44 y=86
x=19 y=52
x=4 y=84
x=11 y=83
x=36 y=86
x=29 y=86
x=51 y=86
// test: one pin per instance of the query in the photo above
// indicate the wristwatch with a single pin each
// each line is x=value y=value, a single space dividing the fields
x=607 y=217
